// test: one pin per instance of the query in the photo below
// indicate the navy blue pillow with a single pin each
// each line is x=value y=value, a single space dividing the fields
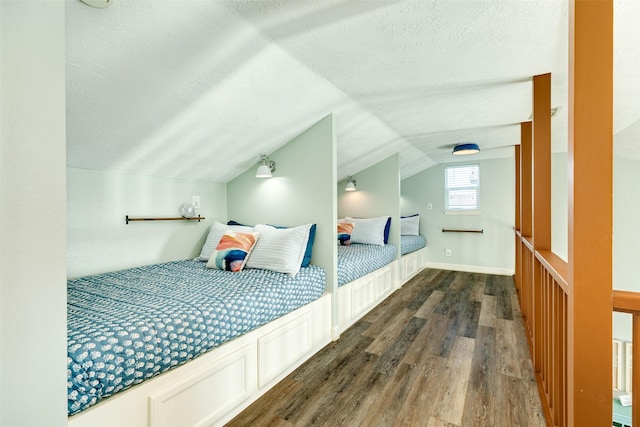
x=387 y=228
x=306 y=259
x=307 y=254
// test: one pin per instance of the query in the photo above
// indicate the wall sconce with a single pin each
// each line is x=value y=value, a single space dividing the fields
x=351 y=184
x=266 y=167
x=464 y=149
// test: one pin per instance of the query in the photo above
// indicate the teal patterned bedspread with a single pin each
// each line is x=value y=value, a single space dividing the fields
x=410 y=244
x=357 y=260
x=126 y=326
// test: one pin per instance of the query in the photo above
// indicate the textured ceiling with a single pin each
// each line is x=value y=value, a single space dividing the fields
x=199 y=89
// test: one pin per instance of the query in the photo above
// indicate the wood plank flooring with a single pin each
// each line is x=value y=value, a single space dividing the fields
x=448 y=349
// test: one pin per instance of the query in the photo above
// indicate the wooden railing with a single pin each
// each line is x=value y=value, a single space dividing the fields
x=551 y=314
x=629 y=302
x=541 y=284
x=543 y=294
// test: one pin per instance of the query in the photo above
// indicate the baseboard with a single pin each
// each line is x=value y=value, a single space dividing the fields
x=472 y=268
x=335 y=333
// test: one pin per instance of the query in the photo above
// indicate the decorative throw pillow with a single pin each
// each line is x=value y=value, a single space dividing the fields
x=215 y=234
x=280 y=249
x=344 y=233
x=368 y=230
x=410 y=225
x=233 y=250
x=306 y=260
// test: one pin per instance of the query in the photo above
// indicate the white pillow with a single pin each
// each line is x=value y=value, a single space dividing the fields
x=410 y=226
x=215 y=234
x=368 y=230
x=279 y=249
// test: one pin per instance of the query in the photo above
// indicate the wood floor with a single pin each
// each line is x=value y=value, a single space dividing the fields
x=448 y=349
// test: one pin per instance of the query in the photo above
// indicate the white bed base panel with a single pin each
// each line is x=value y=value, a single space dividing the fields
x=357 y=298
x=412 y=264
x=213 y=388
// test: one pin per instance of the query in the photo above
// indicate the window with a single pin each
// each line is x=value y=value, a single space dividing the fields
x=462 y=188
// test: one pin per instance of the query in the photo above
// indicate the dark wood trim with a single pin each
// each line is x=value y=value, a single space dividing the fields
x=178 y=218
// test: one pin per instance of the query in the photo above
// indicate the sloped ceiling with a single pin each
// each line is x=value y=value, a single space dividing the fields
x=199 y=89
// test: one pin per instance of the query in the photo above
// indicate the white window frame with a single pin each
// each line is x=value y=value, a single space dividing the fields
x=461 y=210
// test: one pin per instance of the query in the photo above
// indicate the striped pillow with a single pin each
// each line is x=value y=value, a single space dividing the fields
x=279 y=249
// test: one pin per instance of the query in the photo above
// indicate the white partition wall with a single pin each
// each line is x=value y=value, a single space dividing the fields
x=32 y=215
x=301 y=191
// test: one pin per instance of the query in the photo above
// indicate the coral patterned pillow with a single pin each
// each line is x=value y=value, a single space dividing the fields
x=344 y=233
x=233 y=250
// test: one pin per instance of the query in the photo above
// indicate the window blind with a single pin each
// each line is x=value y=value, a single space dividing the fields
x=462 y=187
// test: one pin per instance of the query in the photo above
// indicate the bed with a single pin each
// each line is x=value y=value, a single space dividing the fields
x=367 y=267
x=412 y=247
x=127 y=326
x=409 y=244
x=366 y=276
x=357 y=260
x=132 y=332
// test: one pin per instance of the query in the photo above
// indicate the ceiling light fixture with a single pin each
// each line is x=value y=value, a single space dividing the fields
x=467 y=148
x=351 y=184
x=266 y=167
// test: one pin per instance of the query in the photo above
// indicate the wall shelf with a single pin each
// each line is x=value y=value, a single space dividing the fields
x=450 y=230
x=178 y=218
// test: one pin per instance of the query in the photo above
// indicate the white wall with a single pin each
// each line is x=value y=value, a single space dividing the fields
x=626 y=227
x=560 y=206
x=99 y=239
x=626 y=236
x=32 y=214
x=377 y=194
x=490 y=252
x=301 y=191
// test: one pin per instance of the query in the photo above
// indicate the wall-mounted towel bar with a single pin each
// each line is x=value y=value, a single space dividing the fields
x=180 y=218
x=452 y=230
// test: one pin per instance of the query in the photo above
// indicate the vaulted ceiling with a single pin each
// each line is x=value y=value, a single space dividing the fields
x=199 y=89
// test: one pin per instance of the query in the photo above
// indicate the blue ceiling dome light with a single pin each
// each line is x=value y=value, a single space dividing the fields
x=464 y=149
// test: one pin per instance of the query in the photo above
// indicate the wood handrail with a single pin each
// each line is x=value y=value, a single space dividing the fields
x=626 y=302
x=528 y=242
x=555 y=265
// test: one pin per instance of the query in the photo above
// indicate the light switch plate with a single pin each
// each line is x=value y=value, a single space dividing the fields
x=195 y=201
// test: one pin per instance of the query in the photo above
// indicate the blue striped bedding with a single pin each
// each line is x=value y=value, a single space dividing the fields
x=124 y=327
x=410 y=244
x=357 y=260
